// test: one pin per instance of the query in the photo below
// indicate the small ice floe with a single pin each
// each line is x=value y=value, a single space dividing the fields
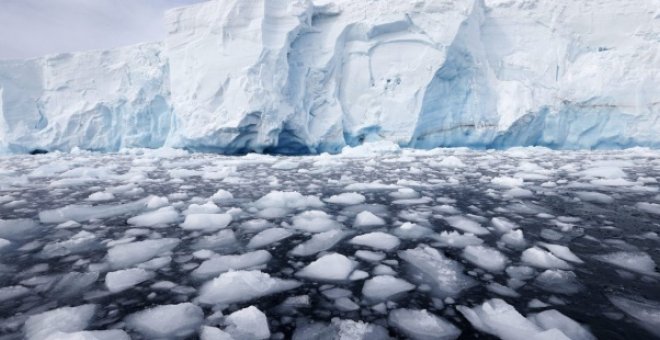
x=561 y=252
x=487 y=258
x=330 y=267
x=552 y=319
x=643 y=311
x=101 y=196
x=82 y=213
x=167 y=321
x=268 y=237
x=206 y=208
x=422 y=325
x=650 y=208
x=129 y=254
x=540 y=258
x=367 y=219
x=383 y=287
x=467 y=225
x=376 y=240
x=222 y=196
x=161 y=217
x=13 y=292
x=63 y=319
x=248 y=323
x=455 y=239
x=444 y=275
x=220 y=264
x=514 y=239
x=411 y=231
x=206 y=222
x=558 y=281
x=120 y=280
x=314 y=221
x=507 y=182
x=594 y=197
x=634 y=261
x=241 y=286
x=287 y=201
x=503 y=225
x=347 y=198
x=318 y=243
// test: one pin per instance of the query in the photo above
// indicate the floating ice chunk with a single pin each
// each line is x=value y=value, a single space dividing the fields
x=503 y=225
x=358 y=330
x=558 y=281
x=645 y=312
x=64 y=319
x=318 y=243
x=594 y=197
x=268 y=236
x=81 y=213
x=206 y=222
x=373 y=186
x=241 y=286
x=370 y=256
x=155 y=202
x=345 y=304
x=507 y=182
x=167 y=321
x=17 y=229
x=514 y=238
x=13 y=292
x=650 y=208
x=162 y=216
x=422 y=325
x=377 y=240
x=120 y=280
x=638 y=262
x=411 y=231
x=347 y=198
x=248 y=323
x=288 y=200
x=331 y=267
x=455 y=239
x=224 y=238
x=467 y=225
x=101 y=196
x=606 y=172
x=222 y=196
x=113 y=334
x=206 y=208
x=221 y=264
x=540 y=258
x=4 y=243
x=256 y=225
x=550 y=319
x=502 y=290
x=367 y=219
x=449 y=162
x=499 y=318
x=443 y=274
x=213 y=333
x=80 y=242
x=561 y=252
x=129 y=254
x=485 y=257
x=314 y=221
x=382 y=287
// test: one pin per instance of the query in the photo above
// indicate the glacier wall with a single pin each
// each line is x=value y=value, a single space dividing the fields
x=301 y=76
x=97 y=100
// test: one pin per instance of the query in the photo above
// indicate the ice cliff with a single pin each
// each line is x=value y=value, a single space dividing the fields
x=298 y=76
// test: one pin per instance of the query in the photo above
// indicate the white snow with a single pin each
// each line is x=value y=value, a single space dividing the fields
x=240 y=286
x=382 y=287
x=120 y=280
x=377 y=240
x=167 y=321
x=330 y=267
x=422 y=325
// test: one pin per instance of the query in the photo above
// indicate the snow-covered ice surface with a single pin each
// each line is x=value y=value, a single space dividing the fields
x=405 y=243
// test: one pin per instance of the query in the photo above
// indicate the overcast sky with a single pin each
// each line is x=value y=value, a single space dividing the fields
x=30 y=28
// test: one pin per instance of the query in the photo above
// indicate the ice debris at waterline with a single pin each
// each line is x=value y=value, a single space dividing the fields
x=439 y=244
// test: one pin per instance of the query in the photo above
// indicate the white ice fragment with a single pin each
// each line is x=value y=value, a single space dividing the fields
x=13 y=292
x=248 y=323
x=129 y=254
x=411 y=231
x=594 y=197
x=605 y=172
x=550 y=319
x=206 y=208
x=101 y=196
x=467 y=225
x=268 y=236
x=224 y=263
x=206 y=222
x=314 y=221
x=81 y=213
x=63 y=319
x=367 y=219
x=650 y=208
x=113 y=334
x=160 y=217
x=540 y=258
x=318 y=243
x=330 y=267
x=503 y=225
x=120 y=280
x=455 y=239
x=167 y=321
x=382 y=287
x=241 y=286
x=449 y=162
x=377 y=240
x=643 y=311
x=507 y=182
x=222 y=196
x=347 y=198
x=638 y=262
x=561 y=252
x=288 y=200
x=485 y=257
x=213 y=333
x=422 y=325
x=514 y=238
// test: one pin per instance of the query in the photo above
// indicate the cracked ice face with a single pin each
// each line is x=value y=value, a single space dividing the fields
x=408 y=243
